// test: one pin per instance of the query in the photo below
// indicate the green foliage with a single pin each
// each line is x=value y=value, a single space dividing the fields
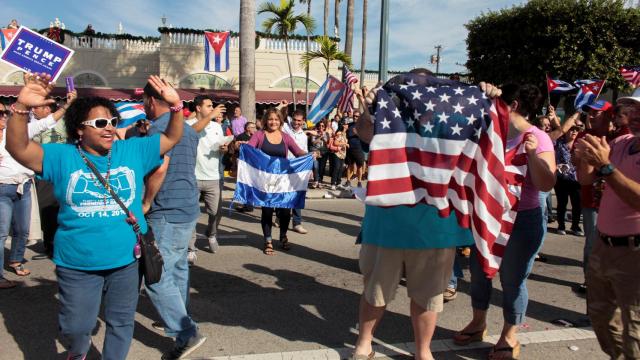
x=569 y=39
x=328 y=52
x=284 y=21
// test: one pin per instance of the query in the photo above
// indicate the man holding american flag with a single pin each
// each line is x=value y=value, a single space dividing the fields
x=442 y=174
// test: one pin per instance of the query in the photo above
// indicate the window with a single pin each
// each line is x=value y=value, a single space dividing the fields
x=88 y=80
x=298 y=82
x=207 y=81
x=16 y=78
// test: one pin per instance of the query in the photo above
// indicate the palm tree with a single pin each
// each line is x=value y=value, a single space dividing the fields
x=326 y=17
x=284 y=22
x=348 y=43
x=306 y=79
x=364 y=41
x=336 y=18
x=248 y=58
x=328 y=52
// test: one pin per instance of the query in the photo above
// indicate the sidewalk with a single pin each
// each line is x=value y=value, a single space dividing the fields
x=322 y=193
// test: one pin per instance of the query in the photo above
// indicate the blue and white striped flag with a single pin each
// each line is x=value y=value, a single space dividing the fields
x=588 y=92
x=271 y=181
x=326 y=99
x=130 y=112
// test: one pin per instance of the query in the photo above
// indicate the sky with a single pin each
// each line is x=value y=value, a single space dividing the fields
x=415 y=26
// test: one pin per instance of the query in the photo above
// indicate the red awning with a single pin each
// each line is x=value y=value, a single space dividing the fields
x=229 y=96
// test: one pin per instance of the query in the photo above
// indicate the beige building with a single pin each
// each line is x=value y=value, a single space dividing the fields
x=102 y=63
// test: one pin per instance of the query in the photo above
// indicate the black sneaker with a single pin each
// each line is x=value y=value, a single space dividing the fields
x=181 y=352
x=157 y=325
x=582 y=289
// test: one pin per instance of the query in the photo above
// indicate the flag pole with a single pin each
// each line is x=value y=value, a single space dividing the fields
x=548 y=92
x=600 y=91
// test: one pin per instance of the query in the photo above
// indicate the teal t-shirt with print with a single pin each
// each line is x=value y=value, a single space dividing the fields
x=412 y=227
x=92 y=232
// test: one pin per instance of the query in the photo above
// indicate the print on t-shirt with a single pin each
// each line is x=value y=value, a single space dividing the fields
x=86 y=195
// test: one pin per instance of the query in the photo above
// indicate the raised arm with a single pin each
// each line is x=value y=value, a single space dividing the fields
x=173 y=133
x=202 y=123
x=22 y=149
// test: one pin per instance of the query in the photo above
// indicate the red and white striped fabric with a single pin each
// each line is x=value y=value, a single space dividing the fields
x=446 y=147
x=631 y=74
x=346 y=101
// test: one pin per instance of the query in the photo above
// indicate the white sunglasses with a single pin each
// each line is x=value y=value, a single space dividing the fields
x=101 y=123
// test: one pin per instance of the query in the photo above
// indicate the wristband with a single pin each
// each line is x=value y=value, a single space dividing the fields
x=19 y=112
x=176 y=108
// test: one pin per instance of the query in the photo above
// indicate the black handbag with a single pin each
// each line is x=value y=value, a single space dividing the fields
x=152 y=263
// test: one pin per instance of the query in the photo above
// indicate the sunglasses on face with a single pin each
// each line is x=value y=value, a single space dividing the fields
x=5 y=112
x=101 y=123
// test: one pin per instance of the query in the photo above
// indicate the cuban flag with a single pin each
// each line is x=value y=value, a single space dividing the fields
x=271 y=181
x=130 y=112
x=216 y=51
x=588 y=92
x=7 y=35
x=558 y=86
x=326 y=99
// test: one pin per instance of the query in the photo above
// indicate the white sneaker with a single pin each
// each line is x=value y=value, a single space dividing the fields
x=31 y=242
x=213 y=244
x=191 y=257
x=333 y=187
x=299 y=229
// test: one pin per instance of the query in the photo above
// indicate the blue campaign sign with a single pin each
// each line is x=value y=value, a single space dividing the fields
x=32 y=52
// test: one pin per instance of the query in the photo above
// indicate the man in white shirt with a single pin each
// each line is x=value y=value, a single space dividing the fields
x=211 y=146
x=300 y=136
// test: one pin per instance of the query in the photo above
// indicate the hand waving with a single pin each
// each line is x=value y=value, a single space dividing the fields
x=165 y=89
x=36 y=89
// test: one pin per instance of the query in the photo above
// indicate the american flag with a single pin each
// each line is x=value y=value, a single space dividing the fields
x=345 y=103
x=631 y=74
x=443 y=143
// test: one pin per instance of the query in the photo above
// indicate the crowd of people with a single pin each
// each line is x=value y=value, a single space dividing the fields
x=181 y=156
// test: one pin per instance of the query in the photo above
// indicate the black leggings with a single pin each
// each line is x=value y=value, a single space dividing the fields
x=565 y=190
x=283 y=215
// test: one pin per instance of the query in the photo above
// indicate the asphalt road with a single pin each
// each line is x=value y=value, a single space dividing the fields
x=306 y=299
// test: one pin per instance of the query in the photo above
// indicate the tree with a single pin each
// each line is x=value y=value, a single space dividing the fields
x=284 y=23
x=336 y=18
x=363 y=58
x=306 y=79
x=348 y=43
x=326 y=18
x=248 y=58
x=570 y=39
x=328 y=52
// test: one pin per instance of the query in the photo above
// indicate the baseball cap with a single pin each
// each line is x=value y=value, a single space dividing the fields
x=635 y=97
x=600 y=105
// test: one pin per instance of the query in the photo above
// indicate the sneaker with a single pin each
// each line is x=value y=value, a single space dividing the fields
x=582 y=289
x=31 y=242
x=299 y=229
x=333 y=187
x=157 y=325
x=191 y=257
x=213 y=244
x=450 y=294
x=181 y=352
x=576 y=232
x=561 y=232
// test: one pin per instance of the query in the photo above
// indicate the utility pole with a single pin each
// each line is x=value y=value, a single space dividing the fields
x=438 y=48
x=384 y=42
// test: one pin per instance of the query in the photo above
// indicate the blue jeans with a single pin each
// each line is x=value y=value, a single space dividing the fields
x=519 y=255
x=80 y=294
x=15 y=212
x=590 y=219
x=457 y=273
x=543 y=196
x=170 y=295
x=296 y=218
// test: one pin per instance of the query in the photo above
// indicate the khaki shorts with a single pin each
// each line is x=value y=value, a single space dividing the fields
x=427 y=273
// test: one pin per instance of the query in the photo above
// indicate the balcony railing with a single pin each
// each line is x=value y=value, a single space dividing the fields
x=89 y=42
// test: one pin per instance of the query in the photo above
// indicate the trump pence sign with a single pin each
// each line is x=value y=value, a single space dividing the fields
x=32 y=52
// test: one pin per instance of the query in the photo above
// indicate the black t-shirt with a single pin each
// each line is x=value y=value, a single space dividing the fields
x=243 y=137
x=352 y=137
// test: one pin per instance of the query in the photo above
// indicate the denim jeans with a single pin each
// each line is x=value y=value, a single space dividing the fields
x=517 y=261
x=296 y=218
x=546 y=210
x=336 y=172
x=457 y=273
x=15 y=213
x=80 y=294
x=170 y=295
x=590 y=219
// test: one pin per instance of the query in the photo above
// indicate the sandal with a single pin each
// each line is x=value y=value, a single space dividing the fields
x=268 y=248
x=284 y=243
x=363 y=357
x=19 y=269
x=7 y=284
x=469 y=337
x=514 y=352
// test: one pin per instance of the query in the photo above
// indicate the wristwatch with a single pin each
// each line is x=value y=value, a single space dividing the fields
x=606 y=170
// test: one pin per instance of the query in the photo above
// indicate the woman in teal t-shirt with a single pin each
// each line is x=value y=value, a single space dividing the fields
x=94 y=248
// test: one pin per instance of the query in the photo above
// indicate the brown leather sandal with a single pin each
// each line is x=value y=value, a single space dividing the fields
x=268 y=248
x=513 y=352
x=19 y=269
x=466 y=338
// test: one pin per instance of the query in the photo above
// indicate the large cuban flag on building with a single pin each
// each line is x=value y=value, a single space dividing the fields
x=216 y=51
x=130 y=112
x=269 y=181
